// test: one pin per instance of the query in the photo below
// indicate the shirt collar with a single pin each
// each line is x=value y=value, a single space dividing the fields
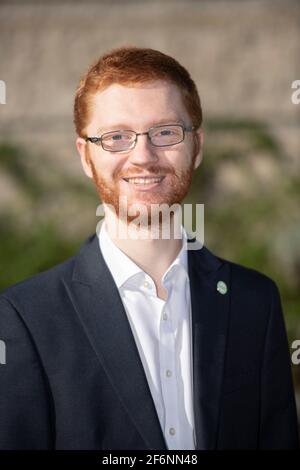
x=123 y=268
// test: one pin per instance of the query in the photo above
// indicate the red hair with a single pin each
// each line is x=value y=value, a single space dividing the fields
x=129 y=65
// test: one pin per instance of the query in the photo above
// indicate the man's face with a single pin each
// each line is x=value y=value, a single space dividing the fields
x=138 y=108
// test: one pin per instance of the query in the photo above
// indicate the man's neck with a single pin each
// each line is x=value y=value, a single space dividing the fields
x=152 y=255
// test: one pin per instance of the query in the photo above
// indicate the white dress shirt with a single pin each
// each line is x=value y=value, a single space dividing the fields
x=162 y=332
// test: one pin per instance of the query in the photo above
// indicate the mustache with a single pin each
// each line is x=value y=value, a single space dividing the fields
x=151 y=170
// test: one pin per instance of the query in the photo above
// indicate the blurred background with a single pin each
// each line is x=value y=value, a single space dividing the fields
x=243 y=55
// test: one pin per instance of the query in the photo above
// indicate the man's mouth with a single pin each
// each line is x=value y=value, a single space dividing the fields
x=144 y=180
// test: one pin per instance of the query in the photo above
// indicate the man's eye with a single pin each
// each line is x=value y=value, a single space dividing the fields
x=166 y=132
x=120 y=137
x=117 y=137
x=163 y=132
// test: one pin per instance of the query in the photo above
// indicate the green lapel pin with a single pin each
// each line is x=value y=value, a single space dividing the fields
x=221 y=287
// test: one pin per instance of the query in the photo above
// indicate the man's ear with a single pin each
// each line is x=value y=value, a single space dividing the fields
x=199 y=140
x=81 y=145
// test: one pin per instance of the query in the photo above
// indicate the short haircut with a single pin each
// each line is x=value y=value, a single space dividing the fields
x=130 y=65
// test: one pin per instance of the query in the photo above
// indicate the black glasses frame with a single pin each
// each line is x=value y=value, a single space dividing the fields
x=98 y=140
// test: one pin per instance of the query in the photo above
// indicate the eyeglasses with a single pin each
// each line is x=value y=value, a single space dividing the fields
x=124 y=140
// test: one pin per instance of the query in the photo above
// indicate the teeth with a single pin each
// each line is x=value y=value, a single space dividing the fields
x=143 y=180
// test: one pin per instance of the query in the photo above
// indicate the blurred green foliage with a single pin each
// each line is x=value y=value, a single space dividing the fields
x=31 y=242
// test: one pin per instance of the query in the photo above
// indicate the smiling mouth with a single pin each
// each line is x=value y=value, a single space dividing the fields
x=144 y=180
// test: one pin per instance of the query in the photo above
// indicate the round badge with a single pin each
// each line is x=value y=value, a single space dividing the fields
x=221 y=287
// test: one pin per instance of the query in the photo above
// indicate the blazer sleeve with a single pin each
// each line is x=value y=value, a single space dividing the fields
x=25 y=407
x=278 y=424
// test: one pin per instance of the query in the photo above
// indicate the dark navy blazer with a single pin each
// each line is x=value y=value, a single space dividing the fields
x=73 y=378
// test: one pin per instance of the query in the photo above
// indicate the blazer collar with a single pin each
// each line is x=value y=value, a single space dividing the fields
x=98 y=304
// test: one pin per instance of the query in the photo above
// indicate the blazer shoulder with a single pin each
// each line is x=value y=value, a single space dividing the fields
x=245 y=273
x=248 y=278
x=38 y=285
x=44 y=288
x=49 y=278
x=254 y=297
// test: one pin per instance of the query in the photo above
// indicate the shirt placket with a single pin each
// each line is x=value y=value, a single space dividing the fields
x=167 y=355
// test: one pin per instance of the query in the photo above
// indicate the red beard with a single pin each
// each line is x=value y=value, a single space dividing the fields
x=178 y=186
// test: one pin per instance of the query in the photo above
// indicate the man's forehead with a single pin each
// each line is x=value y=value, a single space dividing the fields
x=157 y=92
x=139 y=87
x=152 y=103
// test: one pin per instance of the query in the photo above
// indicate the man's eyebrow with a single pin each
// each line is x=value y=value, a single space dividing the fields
x=120 y=126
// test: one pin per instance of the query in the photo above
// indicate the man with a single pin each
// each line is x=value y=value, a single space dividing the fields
x=136 y=342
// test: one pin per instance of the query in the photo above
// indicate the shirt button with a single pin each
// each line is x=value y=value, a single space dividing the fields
x=165 y=316
x=172 y=431
x=146 y=284
x=168 y=373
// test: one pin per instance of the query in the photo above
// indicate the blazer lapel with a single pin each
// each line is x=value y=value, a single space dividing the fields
x=100 y=309
x=210 y=310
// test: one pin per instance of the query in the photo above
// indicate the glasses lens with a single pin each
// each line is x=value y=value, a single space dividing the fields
x=118 y=141
x=166 y=135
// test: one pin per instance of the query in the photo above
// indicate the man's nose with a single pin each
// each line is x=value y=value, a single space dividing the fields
x=143 y=153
